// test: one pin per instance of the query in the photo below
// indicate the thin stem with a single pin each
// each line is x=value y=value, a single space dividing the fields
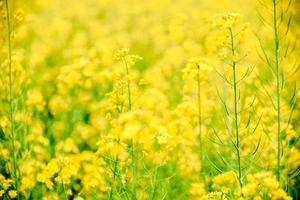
x=132 y=143
x=154 y=184
x=10 y=100
x=236 y=110
x=64 y=189
x=276 y=53
x=199 y=112
x=128 y=85
x=114 y=176
x=133 y=168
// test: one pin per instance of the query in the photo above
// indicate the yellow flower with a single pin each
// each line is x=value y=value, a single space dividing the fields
x=249 y=189
x=58 y=105
x=1 y=193
x=280 y=194
x=128 y=59
x=19 y=15
x=12 y=194
x=122 y=53
x=257 y=198
x=44 y=177
x=226 y=182
x=7 y=183
x=197 y=67
x=2 y=178
x=197 y=189
x=214 y=196
x=27 y=183
x=227 y=20
x=35 y=98
x=162 y=135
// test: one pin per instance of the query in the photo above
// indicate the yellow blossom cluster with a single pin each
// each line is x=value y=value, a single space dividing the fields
x=155 y=99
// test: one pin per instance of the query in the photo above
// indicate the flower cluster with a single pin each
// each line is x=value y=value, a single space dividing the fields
x=186 y=111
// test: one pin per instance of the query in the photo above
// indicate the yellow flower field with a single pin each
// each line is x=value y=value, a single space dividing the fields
x=149 y=100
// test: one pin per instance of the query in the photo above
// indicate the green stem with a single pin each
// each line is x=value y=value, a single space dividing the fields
x=276 y=53
x=10 y=100
x=199 y=113
x=114 y=176
x=64 y=189
x=128 y=85
x=154 y=185
x=237 y=144
x=132 y=143
x=133 y=168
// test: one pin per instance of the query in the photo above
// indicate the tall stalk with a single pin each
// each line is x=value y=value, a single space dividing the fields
x=277 y=55
x=128 y=84
x=133 y=167
x=199 y=112
x=115 y=171
x=153 y=191
x=10 y=98
x=237 y=142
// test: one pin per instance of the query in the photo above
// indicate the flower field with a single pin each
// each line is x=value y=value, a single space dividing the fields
x=149 y=100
